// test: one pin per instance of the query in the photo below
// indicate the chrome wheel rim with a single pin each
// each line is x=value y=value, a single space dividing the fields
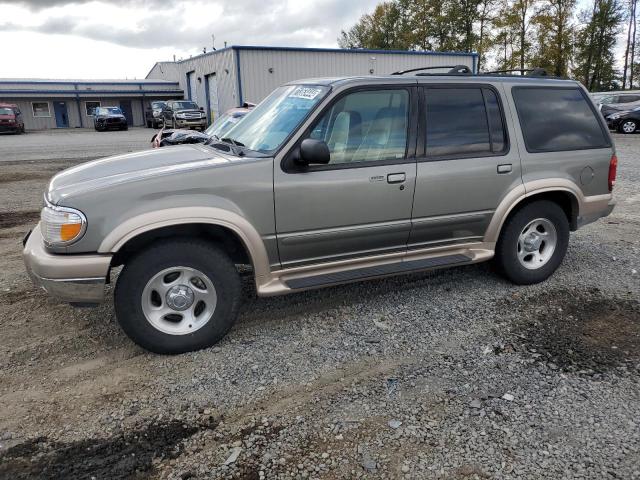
x=179 y=300
x=629 y=127
x=536 y=243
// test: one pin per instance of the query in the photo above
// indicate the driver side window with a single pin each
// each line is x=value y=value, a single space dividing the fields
x=365 y=126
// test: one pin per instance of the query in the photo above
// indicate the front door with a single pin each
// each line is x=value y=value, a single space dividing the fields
x=466 y=168
x=360 y=203
x=125 y=106
x=62 y=116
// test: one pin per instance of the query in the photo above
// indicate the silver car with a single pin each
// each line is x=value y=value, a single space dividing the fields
x=328 y=181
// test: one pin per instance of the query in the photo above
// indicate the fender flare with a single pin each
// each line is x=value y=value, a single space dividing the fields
x=154 y=220
x=516 y=196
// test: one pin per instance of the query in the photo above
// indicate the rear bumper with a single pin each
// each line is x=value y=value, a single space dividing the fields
x=68 y=278
x=595 y=207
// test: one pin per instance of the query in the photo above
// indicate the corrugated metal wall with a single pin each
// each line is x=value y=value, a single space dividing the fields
x=221 y=63
x=262 y=68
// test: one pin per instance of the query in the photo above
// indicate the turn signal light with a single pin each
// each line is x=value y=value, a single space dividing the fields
x=69 y=231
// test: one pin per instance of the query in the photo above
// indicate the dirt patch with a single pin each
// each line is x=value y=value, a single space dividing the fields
x=15 y=219
x=20 y=177
x=583 y=331
x=129 y=455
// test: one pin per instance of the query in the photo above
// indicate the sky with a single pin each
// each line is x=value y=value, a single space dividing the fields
x=124 y=38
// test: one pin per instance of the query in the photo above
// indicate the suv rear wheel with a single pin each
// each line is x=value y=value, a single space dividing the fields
x=178 y=296
x=533 y=243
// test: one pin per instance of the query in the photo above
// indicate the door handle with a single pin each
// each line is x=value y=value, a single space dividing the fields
x=505 y=168
x=396 y=178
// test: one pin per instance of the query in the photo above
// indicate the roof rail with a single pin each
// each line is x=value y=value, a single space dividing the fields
x=531 y=72
x=402 y=72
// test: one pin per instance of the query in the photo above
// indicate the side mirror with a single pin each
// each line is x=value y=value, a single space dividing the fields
x=313 y=151
x=202 y=109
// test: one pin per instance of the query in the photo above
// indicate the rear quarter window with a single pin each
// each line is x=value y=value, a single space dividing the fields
x=557 y=119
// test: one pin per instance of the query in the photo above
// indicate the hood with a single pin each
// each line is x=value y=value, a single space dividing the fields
x=131 y=167
x=188 y=110
x=111 y=115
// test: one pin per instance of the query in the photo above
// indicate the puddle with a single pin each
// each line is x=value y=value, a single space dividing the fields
x=127 y=455
x=580 y=331
x=14 y=219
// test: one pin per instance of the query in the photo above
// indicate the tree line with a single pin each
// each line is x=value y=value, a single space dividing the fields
x=513 y=34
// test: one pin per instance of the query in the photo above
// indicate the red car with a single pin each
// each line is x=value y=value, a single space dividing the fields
x=11 y=118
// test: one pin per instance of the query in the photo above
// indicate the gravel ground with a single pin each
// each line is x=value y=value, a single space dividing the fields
x=454 y=374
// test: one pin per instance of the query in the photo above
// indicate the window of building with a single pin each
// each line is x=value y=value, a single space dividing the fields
x=40 y=109
x=90 y=107
x=463 y=122
x=366 y=126
x=557 y=119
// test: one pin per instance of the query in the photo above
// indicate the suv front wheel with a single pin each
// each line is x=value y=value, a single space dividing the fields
x=178 y=296
x=533 y=243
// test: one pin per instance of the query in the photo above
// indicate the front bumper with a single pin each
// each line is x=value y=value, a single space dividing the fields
x=191 y=123
x=68 y=278
x=613 y=124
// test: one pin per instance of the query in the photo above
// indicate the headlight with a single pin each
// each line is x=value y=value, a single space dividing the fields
x=614 y=116
x=61 y=225
x=180 y=115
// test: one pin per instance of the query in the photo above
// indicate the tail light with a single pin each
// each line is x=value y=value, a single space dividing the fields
x=613 y=169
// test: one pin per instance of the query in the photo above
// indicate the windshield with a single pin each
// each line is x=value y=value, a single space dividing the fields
x=157 y=105
x=6 y=111
x=220 y=127
x=269 y=124
x=109 y=110
x=185 y=106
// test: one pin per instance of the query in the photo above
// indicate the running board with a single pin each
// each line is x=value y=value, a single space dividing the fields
x=377 y=271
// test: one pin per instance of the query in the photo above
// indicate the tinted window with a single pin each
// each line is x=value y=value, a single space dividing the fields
x=459 y=123
x=557 y=119
x=366 y=126
x=496 y=125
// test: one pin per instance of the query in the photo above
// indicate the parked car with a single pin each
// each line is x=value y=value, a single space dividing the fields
x=626 y=121
x=216 y=131
x=11 y=118
x=618 y=102
x=184 y=114
x=328 y=181
x=153 y=115
x=109 y=118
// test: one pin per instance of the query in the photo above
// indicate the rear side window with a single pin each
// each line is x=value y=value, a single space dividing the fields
x=557 y=119
x=463 y=122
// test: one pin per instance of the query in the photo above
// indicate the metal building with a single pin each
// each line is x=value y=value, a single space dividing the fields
x=227 y=78
x=70 y=103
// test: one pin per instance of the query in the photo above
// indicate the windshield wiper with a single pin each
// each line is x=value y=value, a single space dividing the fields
x=232 y=141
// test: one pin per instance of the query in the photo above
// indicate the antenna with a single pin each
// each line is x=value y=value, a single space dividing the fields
x=213 y=42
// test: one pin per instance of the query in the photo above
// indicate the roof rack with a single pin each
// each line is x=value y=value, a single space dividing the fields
x=531 y=72
x=453 y=70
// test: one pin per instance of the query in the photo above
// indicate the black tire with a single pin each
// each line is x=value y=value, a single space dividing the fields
x=506 y=255
x=125 y=128
x=197 y=254
x=632 y=126
x=149 y=124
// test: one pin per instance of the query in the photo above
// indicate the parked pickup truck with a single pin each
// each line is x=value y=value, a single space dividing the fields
x=327 y=182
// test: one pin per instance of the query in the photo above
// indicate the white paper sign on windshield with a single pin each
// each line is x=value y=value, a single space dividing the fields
x=308 y=93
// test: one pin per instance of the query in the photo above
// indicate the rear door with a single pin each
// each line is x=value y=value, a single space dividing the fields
x=360 y=203
x=466 y=164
